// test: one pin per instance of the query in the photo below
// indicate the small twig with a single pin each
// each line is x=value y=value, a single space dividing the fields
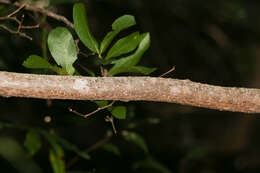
x=169 y=71
x=87 y=150
x=111 y=120
x=41 y=10
x=19 y=22
x=16 y=32
x=16 y=11
x=91 y=113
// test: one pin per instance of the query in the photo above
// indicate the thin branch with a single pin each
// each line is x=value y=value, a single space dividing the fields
x=19 y=22
x=130 y=88
x=169 y=71
x=93 y=112
x=111 y=120
x=40 y=10
x=16 y=11
x=87 y=150
x=21 y=34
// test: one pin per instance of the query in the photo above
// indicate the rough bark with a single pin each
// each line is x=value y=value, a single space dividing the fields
x=130 y=89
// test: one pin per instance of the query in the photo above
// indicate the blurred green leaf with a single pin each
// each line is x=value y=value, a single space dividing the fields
x=123 y=22
x=119 y=112
x=111 y=148
x=132 y=60
x=118 y=25
x=13 y=152
x=196 y=153
x=151 y=164
x=55 y=142
x=35 y=61
x=124 y=45
x=52 y=139
x=32 y=142
x=135 y=138
x=101 y=103
x=69 y=146
x=82 y=29
x=57 y=162
x=63 y=49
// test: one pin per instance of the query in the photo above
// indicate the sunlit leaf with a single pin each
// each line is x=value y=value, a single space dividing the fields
x=118 y=25
x=150 y=163
x=124 y=45
x=32 y=142
x=63 y=49
x=131 y=60
x=111 y=148
x=135 y=138
x=57 y=162
x=82 y=28
x=119 y=112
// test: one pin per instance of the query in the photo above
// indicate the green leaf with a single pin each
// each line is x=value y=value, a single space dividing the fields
x=124 y=45
x=119 y=112
x=151 y=164
x=63 y=49
x=57 y=162
x=123 y=22
x=131 y=60
x=118 y=25
x=35 y=61
x=101 y=103
x=32 y=142
x=111 y=148
x=135 y=138
x=107 y=40
x=82 y=29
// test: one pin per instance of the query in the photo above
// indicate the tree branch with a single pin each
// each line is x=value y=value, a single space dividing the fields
x=41 y=10
x=130 y=89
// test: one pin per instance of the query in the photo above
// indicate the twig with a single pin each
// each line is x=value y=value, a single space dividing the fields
x=16 y=11
x=41 y=10
x=91 y=113
x=169 y=71
x=19 y=22
x=15 y=32
x=87 y=150
x=111 y=120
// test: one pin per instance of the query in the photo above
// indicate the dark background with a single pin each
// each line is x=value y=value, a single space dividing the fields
x=213 y=42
